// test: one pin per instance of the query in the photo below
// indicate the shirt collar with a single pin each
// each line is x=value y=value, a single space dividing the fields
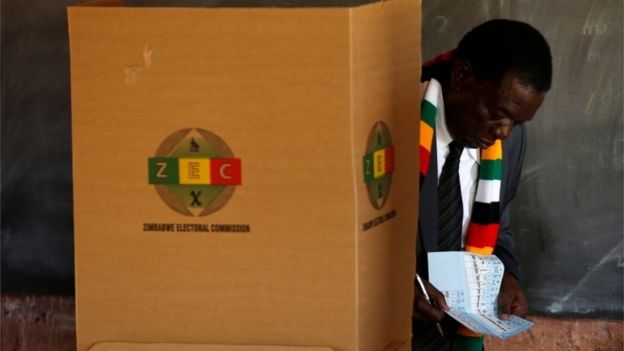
x=444 y=137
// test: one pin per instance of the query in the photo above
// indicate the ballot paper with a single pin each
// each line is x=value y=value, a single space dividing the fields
x=470 y=284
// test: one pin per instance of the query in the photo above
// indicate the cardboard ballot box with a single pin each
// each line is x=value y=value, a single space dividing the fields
x=245 y=176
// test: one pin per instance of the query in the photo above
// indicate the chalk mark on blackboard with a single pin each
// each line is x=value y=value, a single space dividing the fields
x=593 y=94
x=444 y=21
x=597 y=29
x=615 y=254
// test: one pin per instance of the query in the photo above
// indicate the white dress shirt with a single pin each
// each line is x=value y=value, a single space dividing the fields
x=468 y=167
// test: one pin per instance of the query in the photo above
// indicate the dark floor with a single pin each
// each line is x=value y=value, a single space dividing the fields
x=47 y=323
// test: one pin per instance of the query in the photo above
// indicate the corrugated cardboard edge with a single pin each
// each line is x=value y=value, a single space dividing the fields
x=104 y=3
x=121 y=3
x=121 y=346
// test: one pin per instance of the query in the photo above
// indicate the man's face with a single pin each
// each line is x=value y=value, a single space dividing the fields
x=478 y=112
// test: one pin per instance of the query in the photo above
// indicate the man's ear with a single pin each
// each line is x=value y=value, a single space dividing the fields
x=461 y=73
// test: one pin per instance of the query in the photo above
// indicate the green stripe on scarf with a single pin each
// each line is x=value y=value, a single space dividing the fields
x=491 y=170
x=468 y=343
x=428 y=113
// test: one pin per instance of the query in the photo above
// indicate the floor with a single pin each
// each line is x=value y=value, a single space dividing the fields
x=42 y=323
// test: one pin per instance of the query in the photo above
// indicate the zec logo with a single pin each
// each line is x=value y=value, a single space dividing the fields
x=194 y=172
x=378 y=163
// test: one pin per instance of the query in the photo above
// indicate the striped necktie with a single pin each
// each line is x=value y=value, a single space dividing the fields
x=450 y=209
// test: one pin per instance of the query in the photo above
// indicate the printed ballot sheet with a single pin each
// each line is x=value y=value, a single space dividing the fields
x=470 y=283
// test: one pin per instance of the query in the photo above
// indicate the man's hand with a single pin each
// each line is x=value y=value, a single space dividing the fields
x=424 y=312
x=511 y=299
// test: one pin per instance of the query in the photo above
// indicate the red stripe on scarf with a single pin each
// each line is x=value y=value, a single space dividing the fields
x=480 y=235
x=424 y=160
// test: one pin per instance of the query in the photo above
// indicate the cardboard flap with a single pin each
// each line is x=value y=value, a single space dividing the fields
x=122 y=346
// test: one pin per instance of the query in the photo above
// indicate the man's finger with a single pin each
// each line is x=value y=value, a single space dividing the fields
x=504 y=305
x=511 y=299
x=425 y=313
x=519 y=307
x=437 y=297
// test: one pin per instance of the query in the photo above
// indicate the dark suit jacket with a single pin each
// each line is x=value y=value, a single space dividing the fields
x=513 y=155
x=427 y=337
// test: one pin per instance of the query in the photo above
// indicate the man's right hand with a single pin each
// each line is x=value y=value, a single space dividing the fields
x=425 y=313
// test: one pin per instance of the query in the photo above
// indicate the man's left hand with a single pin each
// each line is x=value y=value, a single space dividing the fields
x=511 y=299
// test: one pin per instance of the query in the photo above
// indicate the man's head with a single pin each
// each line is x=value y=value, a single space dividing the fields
x=500 y=74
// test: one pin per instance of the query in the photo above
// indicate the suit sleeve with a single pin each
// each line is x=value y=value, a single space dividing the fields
x=514 y=155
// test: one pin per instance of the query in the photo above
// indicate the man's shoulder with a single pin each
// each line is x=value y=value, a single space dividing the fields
x=513 y=150
x=515 y=140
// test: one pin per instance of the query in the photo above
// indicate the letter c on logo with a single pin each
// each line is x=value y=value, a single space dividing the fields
x=222 y=171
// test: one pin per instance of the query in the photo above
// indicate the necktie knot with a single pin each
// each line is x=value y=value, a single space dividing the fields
x=455 y=150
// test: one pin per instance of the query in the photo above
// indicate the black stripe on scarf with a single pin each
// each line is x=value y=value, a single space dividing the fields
x=483 y=213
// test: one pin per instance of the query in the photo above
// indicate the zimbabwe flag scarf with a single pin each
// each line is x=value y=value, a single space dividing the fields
x=484 y=223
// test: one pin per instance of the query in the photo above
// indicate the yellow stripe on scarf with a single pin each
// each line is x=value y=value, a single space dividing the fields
x=426 y=135
x=494 y=152
x=480 y=250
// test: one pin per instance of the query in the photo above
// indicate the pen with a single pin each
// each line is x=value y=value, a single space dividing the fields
x=424 y=291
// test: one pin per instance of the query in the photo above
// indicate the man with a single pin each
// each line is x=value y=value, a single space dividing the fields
x=477 y=99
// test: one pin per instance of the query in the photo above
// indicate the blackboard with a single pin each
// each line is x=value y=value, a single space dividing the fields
x=567 y=217
x=37 y=224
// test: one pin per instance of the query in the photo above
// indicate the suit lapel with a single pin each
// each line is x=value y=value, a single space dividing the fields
x=428 y=219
